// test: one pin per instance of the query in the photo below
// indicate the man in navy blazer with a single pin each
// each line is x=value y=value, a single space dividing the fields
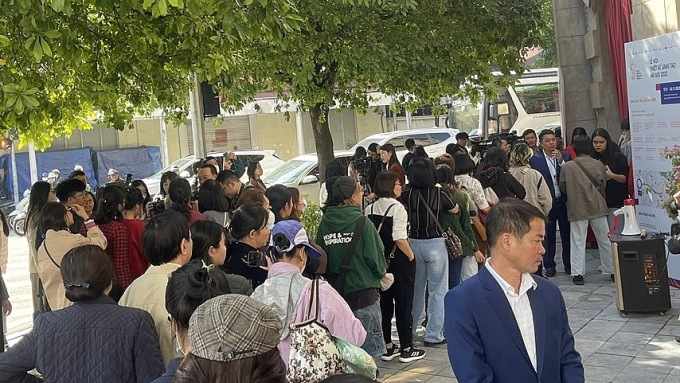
x=548 y=161
x=506 y=325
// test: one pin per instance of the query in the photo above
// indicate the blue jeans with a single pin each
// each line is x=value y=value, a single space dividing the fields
x=371 y=318
x=432 y=271
x=455 y=267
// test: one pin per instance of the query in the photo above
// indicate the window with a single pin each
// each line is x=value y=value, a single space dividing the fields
x=420 y=139
x=539 y=98
x=398 y=142
x=436 y=138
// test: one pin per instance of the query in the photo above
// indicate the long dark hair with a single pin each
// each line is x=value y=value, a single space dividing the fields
x=109 y=206
x=211 y=197
x=40 y=194
x=251 y=216
x=52 y=217
x=251 y=169
x=278 y=196
x=393 y=156
x=495 y=157
x=167 y=176
x=190 y=286
x=606 y=157
x=263 y=368
x=204 y=235
x=180 y=195
x=137 y=184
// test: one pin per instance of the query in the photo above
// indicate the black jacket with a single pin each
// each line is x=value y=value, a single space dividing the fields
x=94 y=341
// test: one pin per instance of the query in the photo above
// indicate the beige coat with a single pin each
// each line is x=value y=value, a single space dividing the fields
x=583 y=200
x=59 y=243
x=537 y=190
x=148 y=293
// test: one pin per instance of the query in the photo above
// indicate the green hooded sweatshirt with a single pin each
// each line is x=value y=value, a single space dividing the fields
x=334 y=235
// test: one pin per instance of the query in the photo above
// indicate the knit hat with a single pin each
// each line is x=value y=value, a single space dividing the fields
x=112 y=171
x=230 y=327
x=290 y=233
x=344 y=187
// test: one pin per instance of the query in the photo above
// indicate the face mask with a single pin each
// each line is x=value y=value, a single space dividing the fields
x=271 y=219
x=179 y=347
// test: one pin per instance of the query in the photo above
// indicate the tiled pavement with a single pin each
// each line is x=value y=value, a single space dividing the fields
x=638 y=348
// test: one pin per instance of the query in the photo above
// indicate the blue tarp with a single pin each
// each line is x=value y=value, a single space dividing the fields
x=142 y=162
x=64 y=160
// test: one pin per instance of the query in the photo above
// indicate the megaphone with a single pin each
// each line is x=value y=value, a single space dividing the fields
x=630 y=226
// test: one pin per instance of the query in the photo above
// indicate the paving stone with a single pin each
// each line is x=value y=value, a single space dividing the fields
x=625 y=349
x=599 y=330
x=642 y=327
x=587 y=347
x=650 y=366
x=616 y=362
x=635 y=377
x=631 y=337
x=669 y=330
x=583 y=313
x=612 y=314
x=599 y=374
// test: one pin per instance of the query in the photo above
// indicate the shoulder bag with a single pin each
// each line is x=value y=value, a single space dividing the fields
x=313 y=353
x=338 y=280
x=453 y=245
x=597 y=185
x=394 y=248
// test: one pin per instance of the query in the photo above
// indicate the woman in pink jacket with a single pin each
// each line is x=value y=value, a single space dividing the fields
x=289 y=293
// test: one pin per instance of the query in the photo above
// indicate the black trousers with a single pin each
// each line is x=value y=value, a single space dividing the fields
x=397 y=301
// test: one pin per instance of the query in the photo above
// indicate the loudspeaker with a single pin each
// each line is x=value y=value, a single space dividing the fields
x=640 y=274
x=211 y=102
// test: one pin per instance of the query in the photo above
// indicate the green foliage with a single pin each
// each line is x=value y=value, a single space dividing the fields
x=420 y=50
x=311 y=218
x=547 y=38
x=67 y=63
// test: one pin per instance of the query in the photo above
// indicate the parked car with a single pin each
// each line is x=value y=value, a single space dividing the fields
x=267 y=158
x=434 y=140
x=302 y=172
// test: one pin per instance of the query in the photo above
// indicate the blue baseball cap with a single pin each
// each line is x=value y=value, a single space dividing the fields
x=290 y=233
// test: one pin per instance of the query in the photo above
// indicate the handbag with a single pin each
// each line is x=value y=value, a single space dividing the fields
x=592 y=179
x=313 y=353
x=453 y=245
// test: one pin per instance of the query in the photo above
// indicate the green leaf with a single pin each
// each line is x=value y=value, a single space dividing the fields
x=58 y=5
x=4 y=41
x=45 y=47
x=147 y=4
x=37 y=50
x=53 y=34
x=247 y=2
x=176 y=3
x=29 y=42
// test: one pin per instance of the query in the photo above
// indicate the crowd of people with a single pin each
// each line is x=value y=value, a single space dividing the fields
x=206 y=282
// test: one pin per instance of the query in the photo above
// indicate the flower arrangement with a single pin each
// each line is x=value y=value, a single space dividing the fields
x=672 y=177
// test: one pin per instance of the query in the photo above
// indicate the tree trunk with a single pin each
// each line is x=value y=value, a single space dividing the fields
x=322 y=137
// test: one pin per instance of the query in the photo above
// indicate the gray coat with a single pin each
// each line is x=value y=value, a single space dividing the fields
x=584 y=201
x=93 y=341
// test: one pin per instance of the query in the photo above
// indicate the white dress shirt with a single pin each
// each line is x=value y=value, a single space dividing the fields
x=521 y=308
x=552 y=167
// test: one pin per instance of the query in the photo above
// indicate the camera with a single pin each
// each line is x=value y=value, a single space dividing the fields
x=361 y=165
x=256 y=259
x=128 y=179
x=482 y=146
x=158 y=206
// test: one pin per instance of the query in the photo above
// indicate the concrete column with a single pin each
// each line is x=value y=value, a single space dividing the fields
x=571 y=28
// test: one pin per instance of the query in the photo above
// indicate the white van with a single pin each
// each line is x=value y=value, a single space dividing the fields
x=534 y=102
x=433 y=140
x=267 y=158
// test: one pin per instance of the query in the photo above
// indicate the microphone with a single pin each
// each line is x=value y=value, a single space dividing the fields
x=643 y=234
